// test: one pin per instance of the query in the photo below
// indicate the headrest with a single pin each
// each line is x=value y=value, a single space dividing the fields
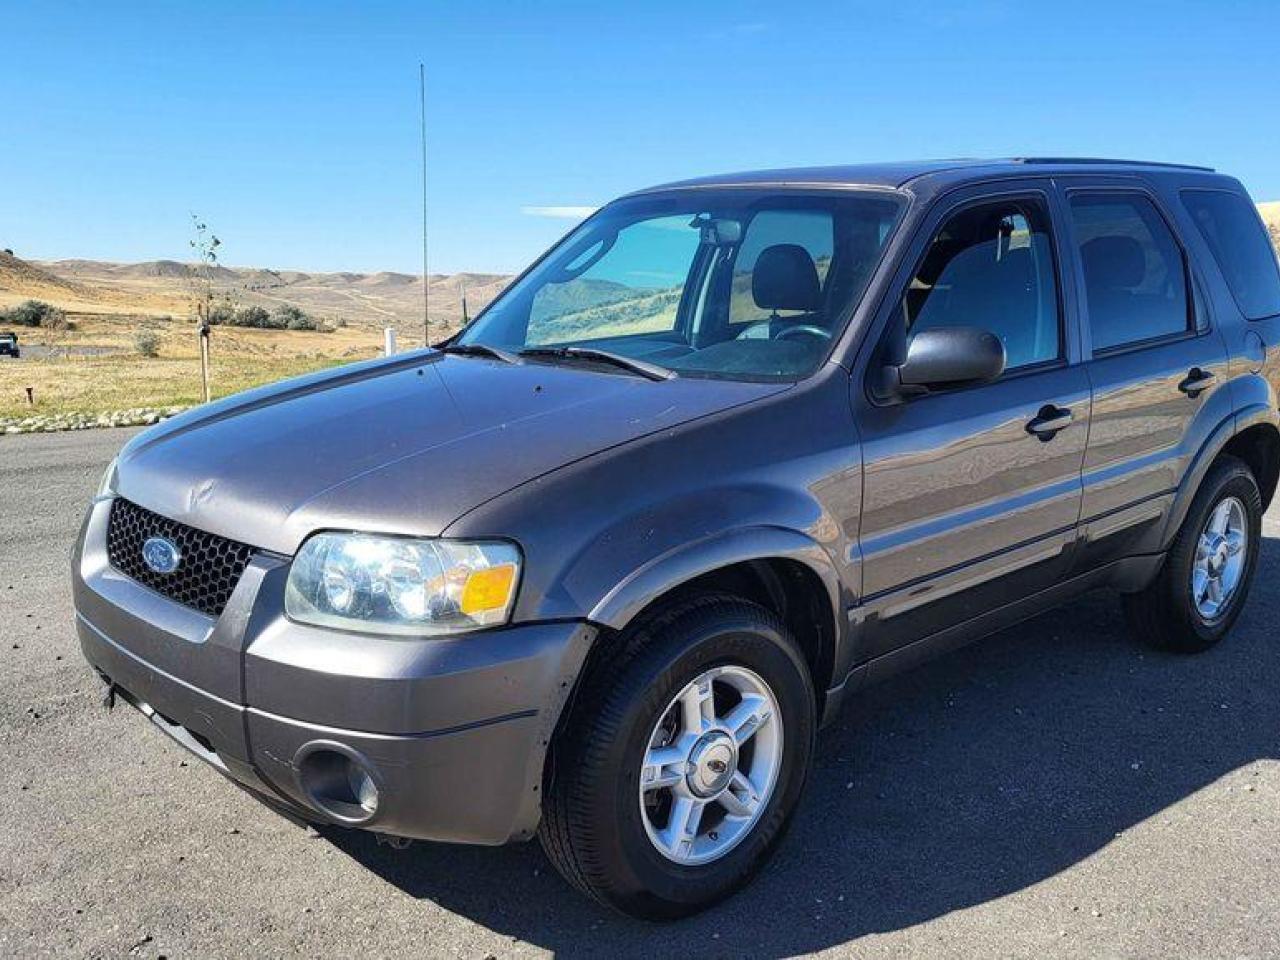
x=785 y=278
x=1114 y=263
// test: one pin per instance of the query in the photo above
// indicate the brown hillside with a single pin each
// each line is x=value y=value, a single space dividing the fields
x=167 y=287
x=1271 y=217
x=32 y=281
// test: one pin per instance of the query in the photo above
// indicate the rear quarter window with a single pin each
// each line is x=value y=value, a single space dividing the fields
x=1234 y=233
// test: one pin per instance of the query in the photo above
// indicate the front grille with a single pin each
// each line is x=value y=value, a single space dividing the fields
x=209 y=569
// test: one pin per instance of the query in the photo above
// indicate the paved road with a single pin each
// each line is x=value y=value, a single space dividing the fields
x=31 y=351
x=1054 y=791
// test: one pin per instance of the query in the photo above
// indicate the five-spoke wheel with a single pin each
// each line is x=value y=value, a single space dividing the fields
x=1220 y=558
x=711 y=765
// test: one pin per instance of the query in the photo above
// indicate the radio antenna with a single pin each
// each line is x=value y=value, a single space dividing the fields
x=426 y=277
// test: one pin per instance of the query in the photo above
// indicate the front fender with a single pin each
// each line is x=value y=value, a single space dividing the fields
x=687 y=561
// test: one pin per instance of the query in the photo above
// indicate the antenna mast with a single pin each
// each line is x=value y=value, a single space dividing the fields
x=426 y=278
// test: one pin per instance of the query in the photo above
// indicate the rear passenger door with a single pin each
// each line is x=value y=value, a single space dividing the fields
x=972 y=495
x=1156 y=366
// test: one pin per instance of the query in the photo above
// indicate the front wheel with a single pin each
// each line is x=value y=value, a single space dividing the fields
x=1204 y=582
x=682 y=760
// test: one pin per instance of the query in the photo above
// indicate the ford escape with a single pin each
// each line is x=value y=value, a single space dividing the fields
x=599 y=567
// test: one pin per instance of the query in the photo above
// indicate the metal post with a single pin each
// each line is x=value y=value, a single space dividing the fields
x=389 y=341
x=426 y=277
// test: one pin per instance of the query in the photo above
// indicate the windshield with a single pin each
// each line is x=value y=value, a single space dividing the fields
x=725 y=283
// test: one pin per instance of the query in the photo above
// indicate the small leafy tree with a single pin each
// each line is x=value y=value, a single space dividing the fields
x=205 y=243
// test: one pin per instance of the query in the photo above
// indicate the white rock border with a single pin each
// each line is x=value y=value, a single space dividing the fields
x=57 y=422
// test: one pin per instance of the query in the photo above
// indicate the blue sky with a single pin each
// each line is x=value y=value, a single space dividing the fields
x=292 y=128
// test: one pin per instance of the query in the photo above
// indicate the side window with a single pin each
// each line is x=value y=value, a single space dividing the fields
x=796 y=245
x=631 y=284
x=1135 y=276
x=992 y=267
x=1231 y=227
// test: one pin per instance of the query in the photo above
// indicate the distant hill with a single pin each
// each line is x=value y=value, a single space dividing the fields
x=29 y=280
x=18 y=275
x=1271 y=216
x=167 y=287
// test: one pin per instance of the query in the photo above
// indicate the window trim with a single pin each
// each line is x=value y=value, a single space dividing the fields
x=1191 y=330
x=1037 y=194
x=1266 y=237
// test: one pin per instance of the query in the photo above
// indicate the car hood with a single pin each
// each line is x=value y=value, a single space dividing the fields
x=405 y=445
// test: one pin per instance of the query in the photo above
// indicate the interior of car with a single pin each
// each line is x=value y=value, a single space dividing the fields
x=991 y=267
x=747 y=287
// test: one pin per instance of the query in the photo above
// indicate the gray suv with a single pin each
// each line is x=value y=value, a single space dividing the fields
x=599 y=567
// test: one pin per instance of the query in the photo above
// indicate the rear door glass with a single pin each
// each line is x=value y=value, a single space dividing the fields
x=1231 y=227
x=1134 y=271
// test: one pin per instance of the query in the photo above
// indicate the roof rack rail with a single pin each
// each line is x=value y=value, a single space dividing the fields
x=1106 y=160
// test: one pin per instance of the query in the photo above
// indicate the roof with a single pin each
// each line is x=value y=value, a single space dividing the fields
x=898 y=174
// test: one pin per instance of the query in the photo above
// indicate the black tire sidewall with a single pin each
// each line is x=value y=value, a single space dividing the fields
x=643 y=880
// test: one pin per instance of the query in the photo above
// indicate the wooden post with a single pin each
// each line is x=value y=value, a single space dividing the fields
x=203 y=313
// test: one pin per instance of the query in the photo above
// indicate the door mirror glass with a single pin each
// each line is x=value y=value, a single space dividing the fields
x=951 y=356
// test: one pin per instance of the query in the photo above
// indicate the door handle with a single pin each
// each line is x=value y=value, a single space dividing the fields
x=1049 y=421
x=1197 y=381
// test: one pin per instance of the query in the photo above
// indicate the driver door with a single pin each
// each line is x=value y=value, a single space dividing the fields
x=972 y=495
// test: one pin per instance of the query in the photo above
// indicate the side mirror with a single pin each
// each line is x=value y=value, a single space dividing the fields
x=948 y=356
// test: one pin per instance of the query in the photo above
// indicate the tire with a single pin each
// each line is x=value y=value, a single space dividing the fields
x=1166 y=615
x=602 y=833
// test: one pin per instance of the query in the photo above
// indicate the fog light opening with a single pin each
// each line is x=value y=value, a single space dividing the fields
x=338 y=784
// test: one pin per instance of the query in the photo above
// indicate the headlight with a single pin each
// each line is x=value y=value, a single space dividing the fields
x=107 y=486
x=373 y=584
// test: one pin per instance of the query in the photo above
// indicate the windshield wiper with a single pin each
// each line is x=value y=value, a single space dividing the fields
x=650 y=370
x=480 y=350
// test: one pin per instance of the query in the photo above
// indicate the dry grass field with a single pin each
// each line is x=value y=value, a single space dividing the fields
x=96 y=366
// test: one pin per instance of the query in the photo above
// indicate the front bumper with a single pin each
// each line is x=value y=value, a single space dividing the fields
x=452 y=732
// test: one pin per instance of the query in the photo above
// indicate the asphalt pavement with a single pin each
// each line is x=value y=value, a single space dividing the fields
x=1052 y=791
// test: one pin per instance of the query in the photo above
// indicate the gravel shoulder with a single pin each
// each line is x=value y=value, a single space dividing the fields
x=1054 y=790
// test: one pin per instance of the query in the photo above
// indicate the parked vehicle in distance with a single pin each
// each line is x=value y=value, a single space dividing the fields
x=599 y=567
x=9 y=345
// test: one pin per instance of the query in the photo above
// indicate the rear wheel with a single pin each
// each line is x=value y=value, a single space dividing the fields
x=682 y=761
x=1205 y=580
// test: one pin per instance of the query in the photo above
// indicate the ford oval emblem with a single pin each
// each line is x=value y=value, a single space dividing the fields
x=161 y=555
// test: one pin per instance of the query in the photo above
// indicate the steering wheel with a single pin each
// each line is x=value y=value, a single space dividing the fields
x=809 y=329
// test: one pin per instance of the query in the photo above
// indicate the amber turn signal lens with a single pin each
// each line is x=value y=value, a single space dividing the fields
x=488 y=589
